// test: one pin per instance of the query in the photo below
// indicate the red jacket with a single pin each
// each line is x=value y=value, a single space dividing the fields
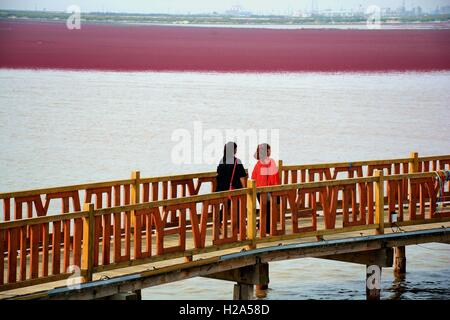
x=266 y=174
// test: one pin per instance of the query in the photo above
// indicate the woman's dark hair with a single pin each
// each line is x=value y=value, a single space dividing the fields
x=229 y=150
x=262 y=151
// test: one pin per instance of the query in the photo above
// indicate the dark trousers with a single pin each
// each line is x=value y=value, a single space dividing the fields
x=267 y=204
x=229 y=210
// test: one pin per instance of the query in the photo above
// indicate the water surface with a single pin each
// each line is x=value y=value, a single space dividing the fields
x=60 y=127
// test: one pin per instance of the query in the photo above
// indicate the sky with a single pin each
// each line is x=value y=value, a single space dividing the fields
x=203 y=6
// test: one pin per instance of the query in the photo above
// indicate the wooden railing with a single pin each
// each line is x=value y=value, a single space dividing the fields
x=332 y=171
x=45 y=249
x=43 y=202
x=38 y=250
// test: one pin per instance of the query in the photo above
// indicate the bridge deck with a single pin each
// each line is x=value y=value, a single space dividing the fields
x=168 y=265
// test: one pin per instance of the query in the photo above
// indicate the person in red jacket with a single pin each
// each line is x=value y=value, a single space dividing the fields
x=265 y=173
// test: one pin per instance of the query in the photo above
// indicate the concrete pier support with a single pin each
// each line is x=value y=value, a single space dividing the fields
x=261 y=290
x=243 y=291
x=399 y=261
x=136 y=295
x=246 y=278
x=374 y=260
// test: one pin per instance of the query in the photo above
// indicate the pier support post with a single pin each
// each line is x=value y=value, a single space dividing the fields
x=399 y=261
x=246 y=278
x=136 y=295
x=263 y=285
x=373 y=282
x=243 y=291
x=261 y=290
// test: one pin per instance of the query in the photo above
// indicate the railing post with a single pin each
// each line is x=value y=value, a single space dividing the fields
x=135 y=194
x=413 y=168
x=379 y=201
x=280 y=170
x=87 y=264
x=414 y=162
x=251 y=213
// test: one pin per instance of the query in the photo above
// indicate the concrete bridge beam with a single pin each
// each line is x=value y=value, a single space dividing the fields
x=246 y=278
x=136 y=295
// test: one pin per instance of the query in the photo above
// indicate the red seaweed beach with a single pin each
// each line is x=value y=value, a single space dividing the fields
x=29 y=44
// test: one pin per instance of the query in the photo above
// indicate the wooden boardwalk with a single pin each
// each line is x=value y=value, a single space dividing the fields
x=158 y=224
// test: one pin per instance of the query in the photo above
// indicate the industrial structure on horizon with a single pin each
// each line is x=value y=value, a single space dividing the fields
x=314 y=9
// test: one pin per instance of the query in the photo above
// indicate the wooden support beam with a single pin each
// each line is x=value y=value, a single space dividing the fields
x=382 y=257
x=399 y=261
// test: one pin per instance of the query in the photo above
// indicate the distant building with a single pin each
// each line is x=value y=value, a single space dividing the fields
x=314 y=7
x=301 y=14
x=443 y=10
x=237 y=11
x=418 y=11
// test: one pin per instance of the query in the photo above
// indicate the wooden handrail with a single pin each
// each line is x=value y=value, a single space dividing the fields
x=210 y=196
x=210 y=174
x=26 y=193
x=319 y=184
x=40 y=220
x=410 y=176
x=344 y=164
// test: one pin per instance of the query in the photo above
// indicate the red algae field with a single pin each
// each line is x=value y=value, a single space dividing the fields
x=50 y=45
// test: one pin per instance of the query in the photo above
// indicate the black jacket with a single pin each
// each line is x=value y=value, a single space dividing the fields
x=224 y=173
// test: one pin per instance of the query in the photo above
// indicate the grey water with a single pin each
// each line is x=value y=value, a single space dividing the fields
x=68 y=127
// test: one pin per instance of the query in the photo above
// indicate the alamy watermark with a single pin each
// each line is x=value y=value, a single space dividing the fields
x=374 y=18
x=74 y=281
x=74 y=20
x=373 y=281
x=201 y=145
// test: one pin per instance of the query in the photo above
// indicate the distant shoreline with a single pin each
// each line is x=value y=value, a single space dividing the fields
x=118 y=47
x=338 y=26
x=217 y=19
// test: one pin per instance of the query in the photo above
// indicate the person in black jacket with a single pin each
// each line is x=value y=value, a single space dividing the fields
x=227 y=165
x=230 y=175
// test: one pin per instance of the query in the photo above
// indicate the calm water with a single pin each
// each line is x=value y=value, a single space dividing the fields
x=60 y=127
